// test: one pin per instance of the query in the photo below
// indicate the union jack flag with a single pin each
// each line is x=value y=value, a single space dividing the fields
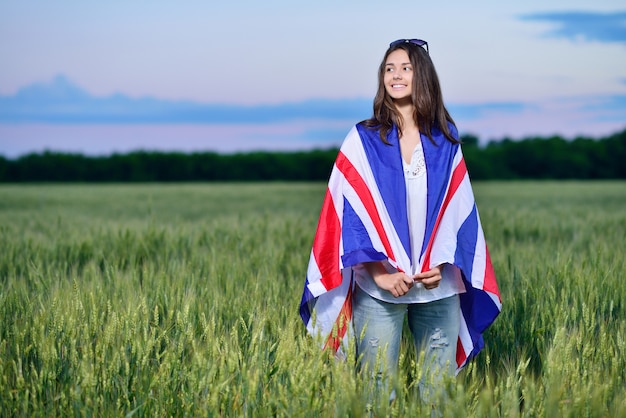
x=364 y=218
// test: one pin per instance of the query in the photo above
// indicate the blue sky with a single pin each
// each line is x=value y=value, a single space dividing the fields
x=103 y=77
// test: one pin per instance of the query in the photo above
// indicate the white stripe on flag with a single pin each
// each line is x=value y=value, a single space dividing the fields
x=495 y=299
x=480 y=260
x=316 y=288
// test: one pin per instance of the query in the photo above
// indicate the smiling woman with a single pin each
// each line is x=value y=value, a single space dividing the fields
x=399 y=237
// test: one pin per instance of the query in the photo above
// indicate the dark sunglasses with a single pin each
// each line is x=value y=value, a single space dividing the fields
x=417 y=42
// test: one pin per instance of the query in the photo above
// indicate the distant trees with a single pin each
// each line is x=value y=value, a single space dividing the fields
x=144 y=166
x=530 y=158
x=548 y=158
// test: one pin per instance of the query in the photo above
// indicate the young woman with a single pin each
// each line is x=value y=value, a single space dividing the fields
x=399 y=234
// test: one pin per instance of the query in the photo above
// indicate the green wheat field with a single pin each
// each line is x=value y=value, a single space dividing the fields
x=182 y=300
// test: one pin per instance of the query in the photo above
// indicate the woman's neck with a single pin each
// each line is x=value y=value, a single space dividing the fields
x=406 y=112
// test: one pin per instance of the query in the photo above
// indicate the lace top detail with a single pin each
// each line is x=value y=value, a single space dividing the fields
x=417 y=167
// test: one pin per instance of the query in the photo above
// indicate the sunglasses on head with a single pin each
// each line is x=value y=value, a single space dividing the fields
x=417 y=42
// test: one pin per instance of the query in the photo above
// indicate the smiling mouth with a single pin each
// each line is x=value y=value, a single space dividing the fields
x=397 y=86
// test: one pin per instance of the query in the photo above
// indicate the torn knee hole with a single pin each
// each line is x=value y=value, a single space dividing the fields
x=438 y=339
x=373 y=342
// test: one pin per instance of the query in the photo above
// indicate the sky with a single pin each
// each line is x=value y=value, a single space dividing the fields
x=103 y=77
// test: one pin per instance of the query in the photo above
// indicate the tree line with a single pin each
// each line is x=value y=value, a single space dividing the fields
x=530 y=158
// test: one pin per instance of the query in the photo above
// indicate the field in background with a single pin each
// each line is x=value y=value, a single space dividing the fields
x=182 y=299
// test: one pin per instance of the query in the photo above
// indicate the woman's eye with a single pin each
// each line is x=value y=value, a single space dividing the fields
x=407 y=68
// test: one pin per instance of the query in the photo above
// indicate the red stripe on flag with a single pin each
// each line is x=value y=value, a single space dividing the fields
x=461 y=357
x=326 y=244
x=358 y=184
x=341 y=323
x=457 y=177
x=489 y=282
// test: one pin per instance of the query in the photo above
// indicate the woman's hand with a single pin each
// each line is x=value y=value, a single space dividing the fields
x=430 y=279
x=396 y=283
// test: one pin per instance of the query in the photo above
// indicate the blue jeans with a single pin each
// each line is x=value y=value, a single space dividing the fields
x=378 y=328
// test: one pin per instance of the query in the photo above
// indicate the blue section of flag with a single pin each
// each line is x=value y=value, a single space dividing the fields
x=386 y=163
x=357 y=244
x=306 y=304
x=466 y=243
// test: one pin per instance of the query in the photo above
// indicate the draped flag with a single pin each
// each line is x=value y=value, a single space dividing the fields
x=364 y=218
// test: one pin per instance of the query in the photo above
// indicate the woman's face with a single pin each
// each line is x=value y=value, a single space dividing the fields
x=398 y=77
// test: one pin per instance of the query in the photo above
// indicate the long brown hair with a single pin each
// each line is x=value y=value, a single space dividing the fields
x=429 y=110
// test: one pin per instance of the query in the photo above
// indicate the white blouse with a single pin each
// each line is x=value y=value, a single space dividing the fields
x=451 y=282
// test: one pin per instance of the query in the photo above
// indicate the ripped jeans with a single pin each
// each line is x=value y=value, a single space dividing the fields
x=434 y=326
